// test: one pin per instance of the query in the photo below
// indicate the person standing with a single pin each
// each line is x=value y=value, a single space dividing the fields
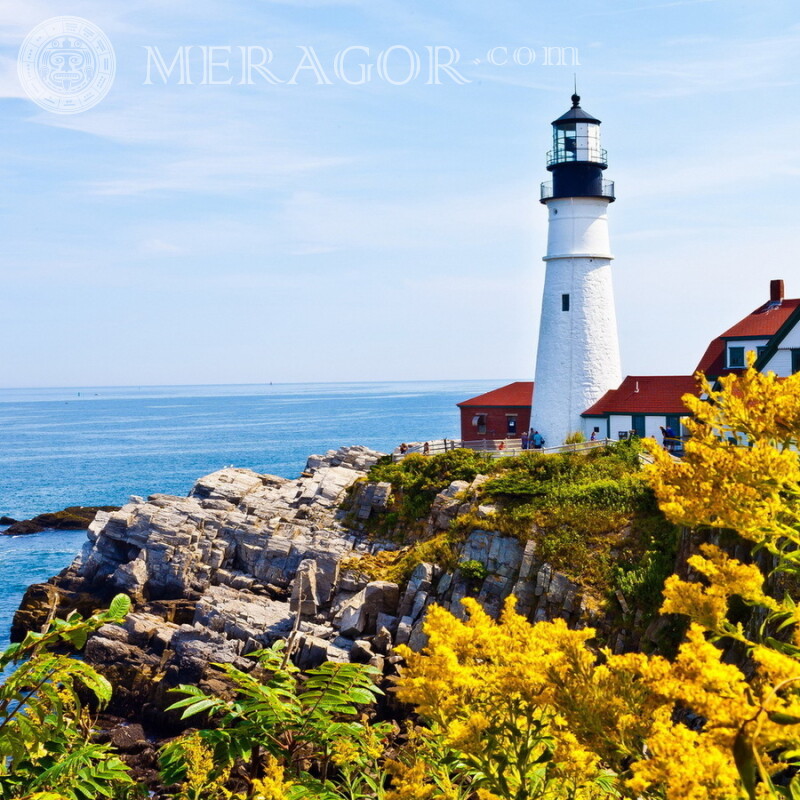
x=524 y=440
x=538 y=441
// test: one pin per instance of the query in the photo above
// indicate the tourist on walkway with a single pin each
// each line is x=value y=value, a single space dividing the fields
x=524 y=439
x=538 y=441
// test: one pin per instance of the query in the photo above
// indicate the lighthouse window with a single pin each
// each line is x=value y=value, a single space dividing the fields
x=566 y=142
x=735 y=357
x=565 y=302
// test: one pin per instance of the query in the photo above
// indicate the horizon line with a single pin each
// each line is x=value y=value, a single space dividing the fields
x=270 y=383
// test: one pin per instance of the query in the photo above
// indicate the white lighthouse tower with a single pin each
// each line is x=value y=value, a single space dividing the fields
x=578 y=354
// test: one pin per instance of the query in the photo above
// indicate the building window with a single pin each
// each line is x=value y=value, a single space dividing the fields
x=760 y=350
x=479 y=421
x=795 y=360
x=511 y=425
x=735 y=357
x=565 y=302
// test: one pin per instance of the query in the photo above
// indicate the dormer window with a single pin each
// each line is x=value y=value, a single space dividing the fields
x=735 y=357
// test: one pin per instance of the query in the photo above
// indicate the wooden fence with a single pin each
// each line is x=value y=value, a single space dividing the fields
x=496 y=448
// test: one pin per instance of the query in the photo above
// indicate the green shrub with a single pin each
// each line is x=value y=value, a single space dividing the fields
x=417 y=479
x=473 y=570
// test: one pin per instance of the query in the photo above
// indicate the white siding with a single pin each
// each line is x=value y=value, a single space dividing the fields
x=792 y=339
x=748 y=344
x=620 y=423
x=781 y=361
x=590 y=423
x=578 y=353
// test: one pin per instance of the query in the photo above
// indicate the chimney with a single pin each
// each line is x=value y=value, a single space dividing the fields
x=776 y=291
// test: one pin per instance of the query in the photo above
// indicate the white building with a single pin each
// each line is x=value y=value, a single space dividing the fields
x=643 y=405
x=578 y=354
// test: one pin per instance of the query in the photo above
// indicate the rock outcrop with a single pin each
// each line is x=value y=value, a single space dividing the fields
x=74 y=518
x=247 y=559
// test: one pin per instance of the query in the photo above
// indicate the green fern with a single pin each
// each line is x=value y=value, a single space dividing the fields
x=46 y=750
x=296 y=719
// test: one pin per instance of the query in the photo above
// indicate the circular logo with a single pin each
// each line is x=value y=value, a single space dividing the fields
x=66 y=65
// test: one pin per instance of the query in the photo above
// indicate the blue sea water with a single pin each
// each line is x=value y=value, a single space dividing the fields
x=98 y=446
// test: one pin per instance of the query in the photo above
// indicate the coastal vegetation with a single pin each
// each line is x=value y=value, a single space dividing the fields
x=592 y=516
x=46 y=738
x=509 y=709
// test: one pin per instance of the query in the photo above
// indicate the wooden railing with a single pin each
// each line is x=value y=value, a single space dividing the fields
x=496 y=448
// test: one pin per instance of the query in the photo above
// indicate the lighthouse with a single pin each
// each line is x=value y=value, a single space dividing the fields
x=578 y=353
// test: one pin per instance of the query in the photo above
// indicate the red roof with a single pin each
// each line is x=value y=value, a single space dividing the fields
x=762 y=323
x=519 y=393
x=646 y=394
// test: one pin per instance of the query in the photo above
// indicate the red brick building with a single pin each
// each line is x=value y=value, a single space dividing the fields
x=503 y=413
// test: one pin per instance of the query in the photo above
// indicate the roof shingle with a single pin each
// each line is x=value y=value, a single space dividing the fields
x=518 y=393
x=764 y=322
x=646 y=394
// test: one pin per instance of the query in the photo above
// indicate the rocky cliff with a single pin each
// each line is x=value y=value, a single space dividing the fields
x=247 y=559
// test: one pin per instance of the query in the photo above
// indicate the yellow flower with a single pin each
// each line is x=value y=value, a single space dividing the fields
x=272 y=786
x=344 y=753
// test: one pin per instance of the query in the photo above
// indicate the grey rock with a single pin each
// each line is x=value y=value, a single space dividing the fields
x=361 y=652
x=359 y=614
x=559 y=586
x=420 y=581
x=382 y=641
x=404 y=628
x=417 y=639
x=304 y=589
x=446 y=505
x=379 y=662
x=311 y=651
x=388 y=621
x=339 y=649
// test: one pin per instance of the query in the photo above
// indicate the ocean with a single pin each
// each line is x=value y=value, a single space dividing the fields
x=98 y=446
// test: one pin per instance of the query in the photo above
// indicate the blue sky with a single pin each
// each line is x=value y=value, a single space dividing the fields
x=305 y=232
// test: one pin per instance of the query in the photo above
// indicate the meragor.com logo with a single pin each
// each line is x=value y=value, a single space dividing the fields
x=66 y=65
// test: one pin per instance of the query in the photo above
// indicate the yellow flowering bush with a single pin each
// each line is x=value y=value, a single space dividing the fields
x=534 y=711
x=741 y=472
x=488 y=690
